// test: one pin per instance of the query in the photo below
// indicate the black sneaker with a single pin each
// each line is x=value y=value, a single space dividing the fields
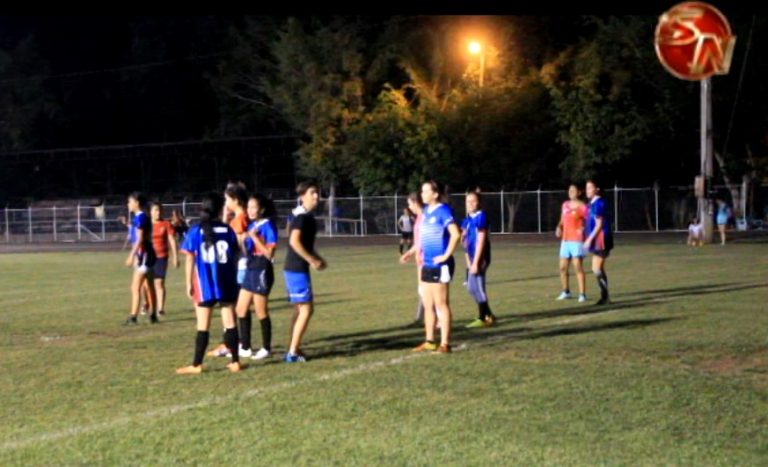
x=131 y=321
x=603 y=301
x=153 y=318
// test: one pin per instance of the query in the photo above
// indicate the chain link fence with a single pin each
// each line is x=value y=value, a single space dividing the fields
x=633 y=210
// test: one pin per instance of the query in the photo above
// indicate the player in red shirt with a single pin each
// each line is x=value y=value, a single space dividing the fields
x=573 y=218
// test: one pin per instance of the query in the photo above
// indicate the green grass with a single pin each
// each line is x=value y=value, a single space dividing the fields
x=675 y=371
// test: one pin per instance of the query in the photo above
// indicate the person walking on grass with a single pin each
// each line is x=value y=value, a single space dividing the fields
x=260 y=246
x=415 y=206
x=439 y=238
x=600 y=238
x=300 y=257
x=142 y=258
x=573 y=217
x=477 y=255
x=211 y=279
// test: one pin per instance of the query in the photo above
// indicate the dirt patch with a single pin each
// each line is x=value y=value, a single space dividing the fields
x=755 y=362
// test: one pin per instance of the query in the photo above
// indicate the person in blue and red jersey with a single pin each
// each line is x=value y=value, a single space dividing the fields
x=300 y=257
x=260 y=246
x=477 y=246
x=142 y=258
x=573 y=217
x=439 y=238
x=163 y=241
x=599 y=241
x=211 y=278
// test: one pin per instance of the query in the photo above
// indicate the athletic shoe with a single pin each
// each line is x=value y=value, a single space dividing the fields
x=261 y=354
x=144 y=309
x=582 y=298
x=564 y=295
x=425 y=346
x=244 y=353
x=153 y=318
x=603 y=301
x=161 y=312
x=490 y=320
x=294 y=358
x=131 y=321
x=220 y=351
x=189 y=370
x=444 y=348
x=234 y=367
x=476 y=323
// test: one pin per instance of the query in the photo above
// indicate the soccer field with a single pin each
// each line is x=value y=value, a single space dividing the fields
x=674 y=371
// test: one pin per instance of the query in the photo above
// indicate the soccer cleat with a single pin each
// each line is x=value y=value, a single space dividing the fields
x=425 y=346
x=603 y=301
x=153 y=318
x=220 y=351
x=235 y=367
x=564 y=295
x=444 y=348
x=245 y=353
x=161 y=312
x=582 y=297
x=131 y=321
x=490 y=320
x=476 y=323
x=261 y=354
x=294 y=358
x=189 y=370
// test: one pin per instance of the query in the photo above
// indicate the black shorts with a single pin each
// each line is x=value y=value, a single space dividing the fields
x=406 y=235
x=438 y=275
x=601 y=253
x=213 y=303
x=259 y=280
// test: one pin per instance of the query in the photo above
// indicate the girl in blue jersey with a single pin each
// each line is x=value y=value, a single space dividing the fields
x=439 y=238
x=300 y=257
x=599 y=238
x=260 y=245
x=211 y=278
x=142 y=258
x=477 y=246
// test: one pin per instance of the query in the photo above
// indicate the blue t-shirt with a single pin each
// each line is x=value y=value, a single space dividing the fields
x=434 y=232
x=604 y=239
x=471 y=225
x=265 y=230
x=215 y=276
x=142 y=222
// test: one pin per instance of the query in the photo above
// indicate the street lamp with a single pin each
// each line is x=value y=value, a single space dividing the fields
x=476 y=48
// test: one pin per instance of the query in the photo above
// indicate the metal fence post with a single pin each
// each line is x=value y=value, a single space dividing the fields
x=362 y=230
x=184 y=207
x=55 y=238
x=538 y=205
x=79 y=237
x=29 y=219
x=501 y=202
x=616 y=207
x=396 y=213
x=7 y=226
x=656 y=196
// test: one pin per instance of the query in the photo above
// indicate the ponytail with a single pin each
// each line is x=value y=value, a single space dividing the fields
x=209 y=211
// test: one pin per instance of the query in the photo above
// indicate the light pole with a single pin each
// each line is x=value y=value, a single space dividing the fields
x=476 y=48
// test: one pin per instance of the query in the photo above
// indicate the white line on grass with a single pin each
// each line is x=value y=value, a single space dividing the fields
x=174 y=409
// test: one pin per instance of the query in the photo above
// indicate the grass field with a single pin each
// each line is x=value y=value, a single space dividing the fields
x=674 y=372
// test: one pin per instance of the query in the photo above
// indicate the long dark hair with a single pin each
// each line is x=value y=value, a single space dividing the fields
x=140 y=198
x=236 y=191
x=266 y=206
x=438 y=188
x=210 y=210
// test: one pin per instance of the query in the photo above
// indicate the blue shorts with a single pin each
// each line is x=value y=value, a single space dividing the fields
x=299 y=286
x=259 y=280
x=571 y=249
x=160 y=267
x=722 y=220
